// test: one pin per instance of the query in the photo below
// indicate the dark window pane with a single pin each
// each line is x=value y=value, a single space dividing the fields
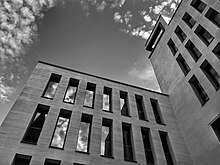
x=192 y=49
x=213 y=16
x=90 y=95
x=216 y=50
x=198 y=5
x=180 y=34
x=216 y=127
x=156 y=111
x=140 y=107
x=189 y=20
x=124 y=103
x=21 y=160
x=183 y=65
x=71 y=91
x=172 y=46
x=204 y=35
x=106 y=141
x=52 y=162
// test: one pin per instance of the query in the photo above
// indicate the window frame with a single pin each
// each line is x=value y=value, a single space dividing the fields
x=173 y=48
x=91 y=86
x=189 y=20
x=202 y=33
x=126 y=103
x=198 y=5
x=183 y=64
x=52 y=161
x=157 y=112
x=143 y=109
x=107 y=91
x=209 y=15
x=74 y=82
x=180 y=34
x=193 y=50
x=21 y=156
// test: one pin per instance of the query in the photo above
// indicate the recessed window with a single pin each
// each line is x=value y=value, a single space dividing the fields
x=172 y=46
x=180 y=33
x=189 y=20
x=34 y=129
x=106 y=141
x=192 y=49
x=216 y=50
x=211 y=74
x=198 y=5
x=213 y=16
x=198 y=90
x=204 y=35
x=20 y=159
x=156 y=111
x=59 y=135
x=147 y=141
x=52 y=162
x=71 y=91
x=124 y=103
x=183 y=65
x=84 y=133
x=52 y=85
x=107 y=99
x=90 y=95
x=216 y=127
x=140 y=107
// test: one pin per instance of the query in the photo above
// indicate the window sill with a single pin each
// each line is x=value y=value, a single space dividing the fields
x=126 y=115
x=82 y=152
x=105 y=156
x=56 y=148
x=47 y=98
x=88 y=106
x=202 y=104
x=26 y=142
x=133 y=161
x=144 y=120
x=69 y=102
x=161 y=124
x=107 y=111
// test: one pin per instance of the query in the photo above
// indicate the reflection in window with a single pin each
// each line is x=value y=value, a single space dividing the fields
x=204 y=35
x=193 y=50
x=172 y=46
x=189 y=20
x=90 y=95
x=60 y=132
x=106 y=141
x=107 y=94
x=216 y=50
x=183 y=65
x=198 y=5
x=213 y=16
x=124 y=103
x=71 y=91
x=52 y=162
x=84 y=133
x=52 y=86
x=21 y=159
x=180 y=34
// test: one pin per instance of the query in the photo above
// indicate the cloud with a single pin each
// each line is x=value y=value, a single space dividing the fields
x=5 y=91
x=166 y=19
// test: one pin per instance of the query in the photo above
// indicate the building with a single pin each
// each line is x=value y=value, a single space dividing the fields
x=186 y=59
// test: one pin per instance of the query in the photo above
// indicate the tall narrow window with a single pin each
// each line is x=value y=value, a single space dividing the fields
x=192 y=49
x=180 y=33
x=216 y=127
x=147 y=146
x=127 y=142
x=140 y=107
x=189 y=20
x=106 y=141
x=198 y=5
x=183 y=65
x=34 y=129
x=52 y=85
x=52 y=162
x=90 y=95
x=107 y=99
x=84 y=133
x=59 y=135
x=204 y=35
x=156 y=111
x=216 y=50
x=172 y=46
x=213 y=16
x=124 y=103
x=71 y=91
x=166 y=147
x=198 y=89
x=211 y=74
x=21 y=160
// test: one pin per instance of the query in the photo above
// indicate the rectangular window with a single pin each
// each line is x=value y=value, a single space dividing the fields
x=189 y=20
x=59 y=135
x=156 y=111
x=211 y=74
x=216 y=50
x=52 y=162
x=84 y=133
x=34 y=129
x=198 y=89
x=71 y=91
x=166 y=147
x=198 y=5
x=192 y=49
x=106 y=141
x=183 y=65
x=204 y=35
x=90 y=95
x=127 y=142
x=107 y=99
x=213 y=16
x=124 y=103
x=172 y=46
x=180 y=33
x=52 y=85
x=216 y=127
x=140 y=107
x=21 y=160
x=147 y=146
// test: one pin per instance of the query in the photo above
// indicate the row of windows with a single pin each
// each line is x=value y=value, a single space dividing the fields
x=34 y=129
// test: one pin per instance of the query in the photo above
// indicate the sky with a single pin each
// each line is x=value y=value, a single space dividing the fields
x=100 y=37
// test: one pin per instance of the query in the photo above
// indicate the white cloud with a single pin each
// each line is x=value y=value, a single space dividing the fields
x=118 y=18
x=166 y=18
x=5 y=91
x=147 y=18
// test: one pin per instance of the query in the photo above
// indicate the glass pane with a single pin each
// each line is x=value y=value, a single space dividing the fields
x=70 y=94
x=105 y=141
x=106 y=101
x=83 y=138
x=89 y=98
x=51 y=90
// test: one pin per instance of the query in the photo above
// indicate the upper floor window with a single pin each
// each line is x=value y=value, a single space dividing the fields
x=216 y=127
x=124 y=103
x=213 y=16
x=156 y=111
x=52 y=85
x=90 y=95
x=71 y=91
x=172 y=46
x=189 y=20
x=216 y=50
x=192 y=49
x=107 y=99
x=21 y=160
x=204 y=35
x=52 y=162
x=140 y=107
x=180 y=33
x=183 y=65
x=198 y=5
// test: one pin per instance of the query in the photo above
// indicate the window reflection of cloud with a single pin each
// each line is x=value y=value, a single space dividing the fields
x=51 y=90
x=106 y=102
x=89 y=98
x=82 y=143
x=105 y=132
x=70 y=94
x=122 y=102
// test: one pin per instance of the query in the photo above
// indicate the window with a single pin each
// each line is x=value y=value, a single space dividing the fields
x=204 y=35
x=147 y=146
x=90 y=95
x=59 y=135
x=183 y=65
x=140 y=107
x=213 y=16
x=189 y=20
x=216 y=50
x=34 y=129
x=192 y=49
x=211 y=74
x=78 y=164
x=106 y=141
x=216 y=127
x=198 y=5
x=127 y=142
x=107 y=99
x=156 y=111
x=84 y=133
x=124 y=103
x=198 y=89
x=172 y=46
x=21 y=160
x=52 y=162
x=180 y=33
x=166 y=147
x=51 y=87
x=71 y=91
